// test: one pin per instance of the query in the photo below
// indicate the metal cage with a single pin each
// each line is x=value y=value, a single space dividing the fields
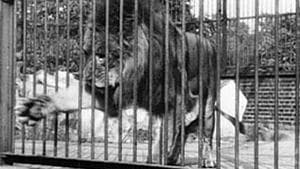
x=256 y=41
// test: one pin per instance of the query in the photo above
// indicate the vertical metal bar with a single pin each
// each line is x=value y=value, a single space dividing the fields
x=121 y=81
x=224 y=32
x=34 y=48
x=183 y=81
x=297 y=22
x=166 y=85
x=56 y=76
x=135 y=85
x=80 y=78
x=34 y=67
x=256 y=58
x=67 y=78
x=200 y=81
x=175 y=112
x=150 y=83
x=6 y=53
x=106 y=80
x=57 y=44
x=93 y=80
x=160 y=145
x=237 y=86
x=276 y=118
x=68 y=44
x=219 y=52
x=24 y=4
x=23 y=131
x=13 y=72
x=45 y=72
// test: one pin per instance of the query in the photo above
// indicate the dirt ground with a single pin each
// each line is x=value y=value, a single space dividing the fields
x=246 y=148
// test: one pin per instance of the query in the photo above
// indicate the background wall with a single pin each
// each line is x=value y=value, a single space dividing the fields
x=266 y=101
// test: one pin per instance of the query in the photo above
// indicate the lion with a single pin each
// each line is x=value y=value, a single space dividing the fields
x=34 y=109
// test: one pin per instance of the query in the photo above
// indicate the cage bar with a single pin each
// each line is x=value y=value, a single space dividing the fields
x=14 y=74
x=183 y=83
x=276 y=115
x=45 y=74
x=121 y=37
x=78 y=163
x=24 y=8
x=297 y=118
x=7 y=48
x=175 y=113
x=135 y=84
x=93 y=79
x=34 y=128
x=80 y=87
x=34 y=57
x=55 y=142
x=67 y=78
x=219 y=53
x=68 y=50
x=237 y=87
x=106 y=79
x=150 y=83
x=256 y=78
x=200 y=87
x=160 y=144
x=224 y=32
x=166 y=85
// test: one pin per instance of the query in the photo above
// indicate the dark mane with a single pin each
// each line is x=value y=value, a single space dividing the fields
x=129 y=68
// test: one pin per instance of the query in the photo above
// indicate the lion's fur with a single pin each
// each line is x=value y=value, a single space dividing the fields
x=130 y=71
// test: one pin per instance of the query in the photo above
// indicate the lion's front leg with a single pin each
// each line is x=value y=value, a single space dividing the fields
x=31 y=110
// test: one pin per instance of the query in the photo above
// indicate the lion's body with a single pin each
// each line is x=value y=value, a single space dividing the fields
x=140 y=71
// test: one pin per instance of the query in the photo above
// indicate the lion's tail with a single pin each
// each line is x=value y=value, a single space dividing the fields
x=232 y=119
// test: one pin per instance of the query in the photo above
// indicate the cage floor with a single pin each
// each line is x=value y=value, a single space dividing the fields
x=246 y=157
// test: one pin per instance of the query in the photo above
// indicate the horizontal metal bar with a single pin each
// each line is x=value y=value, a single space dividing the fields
x=74 y=25
x=206 y=20
x=77 y=163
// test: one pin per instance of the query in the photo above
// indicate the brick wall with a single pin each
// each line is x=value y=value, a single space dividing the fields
x=266 y=101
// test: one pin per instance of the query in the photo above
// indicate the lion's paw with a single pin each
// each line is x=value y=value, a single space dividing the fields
x=31 y=110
